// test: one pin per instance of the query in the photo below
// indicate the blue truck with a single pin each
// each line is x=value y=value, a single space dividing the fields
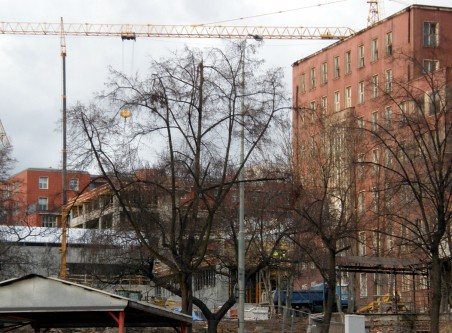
x=311 y=300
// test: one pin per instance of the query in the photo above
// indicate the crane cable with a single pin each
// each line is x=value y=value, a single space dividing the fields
x=272 y=13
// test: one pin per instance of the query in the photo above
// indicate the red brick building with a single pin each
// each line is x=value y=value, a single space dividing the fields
x=358 y=82
x=35 y=196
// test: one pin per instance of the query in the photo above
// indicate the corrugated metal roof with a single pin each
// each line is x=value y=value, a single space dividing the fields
x=52 y=302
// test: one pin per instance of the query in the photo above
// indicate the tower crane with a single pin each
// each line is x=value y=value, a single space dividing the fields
x=376 y=11
x=133 y=31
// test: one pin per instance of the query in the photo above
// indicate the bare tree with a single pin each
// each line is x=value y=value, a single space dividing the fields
x=408 y=147
x=324 y=192
x=187 y=111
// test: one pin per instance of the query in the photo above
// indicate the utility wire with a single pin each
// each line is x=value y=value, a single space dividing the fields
x=272 y=13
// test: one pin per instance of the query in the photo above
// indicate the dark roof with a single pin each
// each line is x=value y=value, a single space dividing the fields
x=381 y=265
x=51 y=302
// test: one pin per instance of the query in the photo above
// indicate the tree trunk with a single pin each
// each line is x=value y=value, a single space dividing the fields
x=212 y=325
x=435 y=292
x=331 y=292
x=186 y=297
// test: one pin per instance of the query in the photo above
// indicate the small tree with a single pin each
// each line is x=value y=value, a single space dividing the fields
x=410 y=146
x=324 y=192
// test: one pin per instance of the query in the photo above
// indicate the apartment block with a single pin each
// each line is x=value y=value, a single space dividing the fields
x=375 y=81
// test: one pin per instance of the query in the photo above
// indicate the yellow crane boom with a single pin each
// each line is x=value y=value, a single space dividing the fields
x=132 y=31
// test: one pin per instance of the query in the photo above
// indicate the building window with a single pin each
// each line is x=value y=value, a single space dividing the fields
x=388 y=80
x=303 y=83
x=361 y=202
x=49 y=221
x=312 y=110
x=363 y=284
x=390 y=244
x=42 y=204
x=73 y=184
x=375 y=199
x=374 y=86
x=432 y=102
x=204 y=279
x=407 y=282
x=337 y=101
x=360 y=56
x=374 y=121
x=362 y=242
x=348 y=62
x=361 y=173
x=361 y=127
x=388 y=117
x=374 y=50
x=388 y=43
x=430 y=65
x=348 y=97
x=336 y=67
x=324 y=73
x=324 y=105
x=361 y=92
x=312 y=78
x=43 y=183
x=376 y=166
x=423 y=282
x=431 y=35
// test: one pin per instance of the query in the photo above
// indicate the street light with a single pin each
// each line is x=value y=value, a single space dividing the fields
x=241 y=238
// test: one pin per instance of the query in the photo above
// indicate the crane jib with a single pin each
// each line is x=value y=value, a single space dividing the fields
x=133 y=31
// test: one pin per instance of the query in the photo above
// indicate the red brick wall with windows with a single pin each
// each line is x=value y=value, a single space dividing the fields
x=37 y=195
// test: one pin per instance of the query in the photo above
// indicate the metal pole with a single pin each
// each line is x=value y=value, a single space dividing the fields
x=241 y=240
x=64 y=171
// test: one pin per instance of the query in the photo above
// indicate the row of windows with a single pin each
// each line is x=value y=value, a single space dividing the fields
x=347 y=63
x=430 y=39
x=407 y=283
x=44 y=183
x=361 y=90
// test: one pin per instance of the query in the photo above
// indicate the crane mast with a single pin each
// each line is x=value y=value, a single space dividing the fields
x=133 y=31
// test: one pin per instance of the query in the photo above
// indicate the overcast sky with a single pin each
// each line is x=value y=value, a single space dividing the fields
x=30 y=66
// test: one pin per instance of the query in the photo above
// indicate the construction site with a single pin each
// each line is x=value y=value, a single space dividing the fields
x=84 y=251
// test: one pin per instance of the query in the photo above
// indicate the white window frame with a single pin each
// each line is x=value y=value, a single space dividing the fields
x=337 y=101
x=430 y=65
x=388 y=80
x=43 y=183
x=362 y=245
x=43 y=204
x=348 y=97
x=73 y=184
x=361 y=202
x=312 y=78
x=348 y=62
x=361 y=97
x=375 y=86
x=324 y=73
x=303 y=83
x=374 y=50
x=336 y=66
x=388 y=43
x=361 y=56
x=312 y=111
x=324 y=105
x=431 y=34
x=48 y=221
x=388 y=117
x=374 y=121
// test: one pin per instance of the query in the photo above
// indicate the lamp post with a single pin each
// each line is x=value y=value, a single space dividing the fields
x=241 y=235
